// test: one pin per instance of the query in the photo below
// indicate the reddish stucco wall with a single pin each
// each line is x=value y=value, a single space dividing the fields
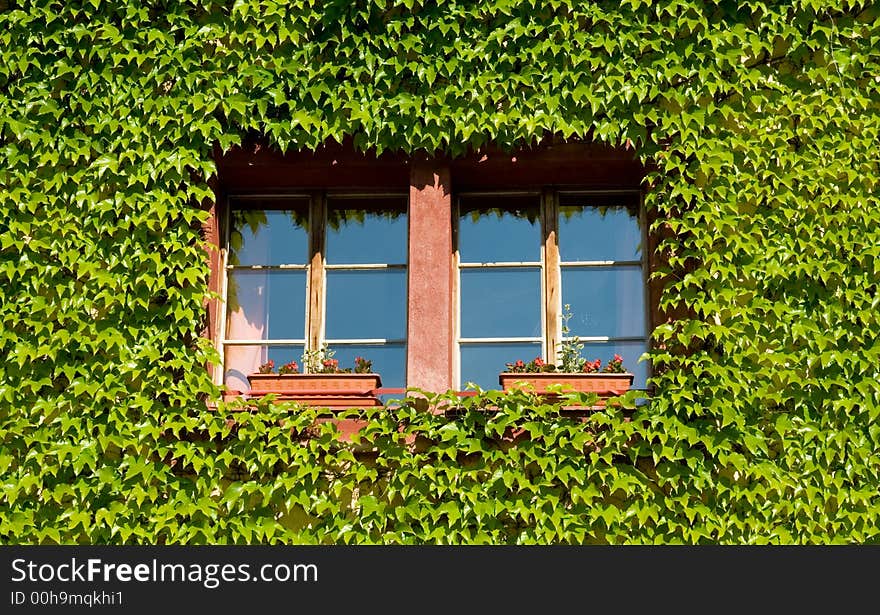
x=429 y=326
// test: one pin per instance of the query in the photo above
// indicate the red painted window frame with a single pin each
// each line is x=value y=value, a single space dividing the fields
x=432 y=182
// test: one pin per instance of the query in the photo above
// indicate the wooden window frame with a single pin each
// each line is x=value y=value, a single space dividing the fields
x=257 y=168
x=551 y=266
x=316 y=269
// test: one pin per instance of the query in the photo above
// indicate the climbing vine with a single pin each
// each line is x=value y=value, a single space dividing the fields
x=758 y=121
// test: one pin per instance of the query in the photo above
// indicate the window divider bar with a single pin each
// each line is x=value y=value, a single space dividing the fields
x=616 y=338
x=498 y=265
x=280 y=342
x=534 y=340
x=375 y=341
x=500 y=340
x=455 y=265
x=269 y=267
x=646 y=279
x=600 y=264
x=366 y=266
x=220 y=366
x=315 y=295
x=552 y=283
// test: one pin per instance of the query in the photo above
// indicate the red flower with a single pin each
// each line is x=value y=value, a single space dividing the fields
x=289 y=368
x=539 y=362
x=592 y=366
x=267 y=367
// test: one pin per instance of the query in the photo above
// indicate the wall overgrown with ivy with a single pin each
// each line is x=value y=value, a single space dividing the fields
x=760 y=121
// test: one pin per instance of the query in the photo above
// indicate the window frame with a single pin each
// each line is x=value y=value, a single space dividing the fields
x=315 y=268
x=256 y=167
x=551 y=267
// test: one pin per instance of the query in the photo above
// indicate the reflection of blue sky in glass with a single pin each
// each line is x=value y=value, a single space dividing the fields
x=268 y=237
x=283 y=354
x=598 y=234
x=630 y=351
x=606 y=301
x=242 y=360
x=276 y=298
x=366 y=304
x=375 y=239
x=481 y=363
x=501 y=302
x=389 y=360
x=498 y=239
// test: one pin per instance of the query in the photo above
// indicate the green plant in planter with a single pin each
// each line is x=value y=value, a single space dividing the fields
x=269 y=368
x=321 y=361
x=289 y=368
x=534 y=366
x=266 y=368
x=569 y=357
x=318 y=361
x=614 y=366
x=362 y=366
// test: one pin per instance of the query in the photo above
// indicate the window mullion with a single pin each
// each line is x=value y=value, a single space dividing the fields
x=220 y=367
x=316 y=293
x=646 y=277
x=552 y=295
x=456 y=297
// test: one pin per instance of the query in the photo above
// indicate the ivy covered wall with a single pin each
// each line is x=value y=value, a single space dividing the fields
x=760 y=123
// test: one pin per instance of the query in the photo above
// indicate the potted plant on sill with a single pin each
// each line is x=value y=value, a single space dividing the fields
x=323 y=384
x=572 y=372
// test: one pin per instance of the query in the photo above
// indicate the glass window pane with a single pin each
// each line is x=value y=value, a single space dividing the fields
x=499 y=229
x=481 y=363
x=599 y=228
x=389 y=360
x=501 y=302
x=366 y=304
x=366 y=231
x=629 y=351
x=270 y=236
x=605 y=301
x=265 y=304
x=243 y=360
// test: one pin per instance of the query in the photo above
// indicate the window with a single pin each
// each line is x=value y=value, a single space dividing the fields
x=500 y=271
x=438 y=270
x=522 y=256
x=304 y=270
x=603 y=277
x=366 y=283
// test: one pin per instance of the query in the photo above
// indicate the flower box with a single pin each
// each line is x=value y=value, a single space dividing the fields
x=332 y=390
x=603 y=384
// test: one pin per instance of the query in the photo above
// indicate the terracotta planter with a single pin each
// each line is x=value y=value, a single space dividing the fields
x=603 y=384
x=332 y=390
